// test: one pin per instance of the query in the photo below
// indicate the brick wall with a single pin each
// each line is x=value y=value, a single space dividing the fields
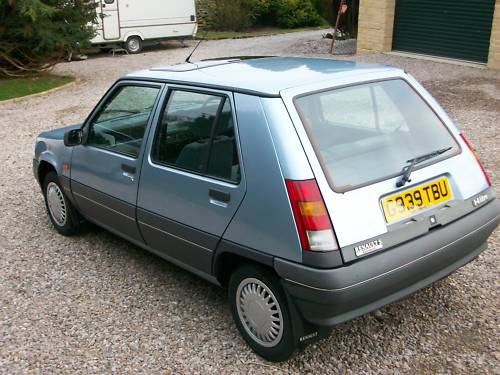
x=494 y=56
x=375 y=25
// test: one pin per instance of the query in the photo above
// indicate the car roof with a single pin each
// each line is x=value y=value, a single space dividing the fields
x=265 y=76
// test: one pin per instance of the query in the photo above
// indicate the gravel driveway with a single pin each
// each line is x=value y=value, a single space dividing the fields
x=96 y=304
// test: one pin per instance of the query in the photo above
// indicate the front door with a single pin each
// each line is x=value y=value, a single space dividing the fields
x=110 y=19
x=105 y=169
x=191 y=182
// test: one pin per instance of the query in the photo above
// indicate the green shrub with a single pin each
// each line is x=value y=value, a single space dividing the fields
x=287 y=13
x=327 y=9
x=296 y=13
x=237 y=15
x=233 y=15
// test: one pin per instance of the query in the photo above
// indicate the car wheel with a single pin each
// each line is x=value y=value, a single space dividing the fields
x=133 y=44
x=61 y=212
x=259 y=309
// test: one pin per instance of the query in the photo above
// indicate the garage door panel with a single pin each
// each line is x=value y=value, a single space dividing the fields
x=449 y=28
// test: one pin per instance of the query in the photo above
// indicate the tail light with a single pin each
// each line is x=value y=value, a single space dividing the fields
x=311 y=217
x=477 y=159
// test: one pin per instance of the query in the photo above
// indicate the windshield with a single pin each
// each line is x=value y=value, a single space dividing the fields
x=368 y=132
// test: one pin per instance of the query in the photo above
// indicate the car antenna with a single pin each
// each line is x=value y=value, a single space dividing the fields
x=188 y=59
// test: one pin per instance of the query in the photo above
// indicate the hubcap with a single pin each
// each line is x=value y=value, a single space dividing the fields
x=259 y=312
x=56 y=203
x=133 y=45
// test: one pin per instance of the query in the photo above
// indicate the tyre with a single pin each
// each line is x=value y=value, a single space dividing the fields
x=62 y=213
x=259 y=309
x=133 y=44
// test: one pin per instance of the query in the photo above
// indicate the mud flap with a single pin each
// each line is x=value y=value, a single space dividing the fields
x=304 y=333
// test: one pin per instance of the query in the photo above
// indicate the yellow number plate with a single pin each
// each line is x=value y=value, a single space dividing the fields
x=409 y=202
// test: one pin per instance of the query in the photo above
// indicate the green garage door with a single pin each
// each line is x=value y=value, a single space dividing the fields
x=458 y=29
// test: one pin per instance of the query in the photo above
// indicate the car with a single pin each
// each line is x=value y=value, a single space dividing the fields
x=314 y=190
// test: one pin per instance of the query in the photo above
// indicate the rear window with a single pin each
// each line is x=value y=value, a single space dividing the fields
x=366 y=133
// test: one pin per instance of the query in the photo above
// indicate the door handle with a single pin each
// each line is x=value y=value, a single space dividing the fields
x=128 y=168
x=129 y=176
x=219 y=196
x=128 y=171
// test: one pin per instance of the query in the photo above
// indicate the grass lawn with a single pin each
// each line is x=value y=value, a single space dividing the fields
x=264 y=31
x=18 y=87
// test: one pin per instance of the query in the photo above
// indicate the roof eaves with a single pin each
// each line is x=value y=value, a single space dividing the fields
x=205 y=86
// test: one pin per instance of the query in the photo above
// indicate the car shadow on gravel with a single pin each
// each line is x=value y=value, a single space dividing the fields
x=155 y=266
x=355 y=342
x=171 y=284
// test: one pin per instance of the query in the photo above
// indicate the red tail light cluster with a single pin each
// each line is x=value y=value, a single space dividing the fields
x=311 y=217
x=477 y=159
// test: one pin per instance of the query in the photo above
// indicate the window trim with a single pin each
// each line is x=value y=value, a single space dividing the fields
x=101 y=105
x=319 y=155
x=173 y=167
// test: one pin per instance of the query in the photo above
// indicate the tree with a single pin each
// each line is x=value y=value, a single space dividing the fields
x=35 y=34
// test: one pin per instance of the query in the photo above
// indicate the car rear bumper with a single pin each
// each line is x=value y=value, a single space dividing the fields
x=332 y=296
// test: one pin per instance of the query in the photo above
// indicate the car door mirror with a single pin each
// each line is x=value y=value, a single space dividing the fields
x=73 y=137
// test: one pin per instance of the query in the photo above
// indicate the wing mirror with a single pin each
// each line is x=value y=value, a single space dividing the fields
x=73 y=137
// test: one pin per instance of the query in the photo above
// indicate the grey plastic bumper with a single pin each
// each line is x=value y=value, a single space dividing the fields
x=329 y=297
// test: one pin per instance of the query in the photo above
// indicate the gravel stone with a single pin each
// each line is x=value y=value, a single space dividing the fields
x=97 y=304
x=323 y=46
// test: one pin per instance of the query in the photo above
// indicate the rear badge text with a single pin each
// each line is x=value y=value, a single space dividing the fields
x=368 y=248
x=479 y=200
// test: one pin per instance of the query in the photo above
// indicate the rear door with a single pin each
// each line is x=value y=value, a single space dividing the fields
x=191 y=181
x=359 y=134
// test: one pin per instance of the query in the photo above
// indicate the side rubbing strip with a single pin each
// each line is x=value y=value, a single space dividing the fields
x=106 y=210
x=176 y=240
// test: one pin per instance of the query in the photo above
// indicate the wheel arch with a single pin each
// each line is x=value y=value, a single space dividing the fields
x=44 y=168
x=230 y=256
x=133 y=33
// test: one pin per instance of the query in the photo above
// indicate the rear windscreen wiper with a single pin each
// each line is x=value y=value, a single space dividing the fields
x=415 y=161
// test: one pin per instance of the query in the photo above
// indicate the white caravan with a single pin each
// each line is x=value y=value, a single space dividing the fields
x=131 y=23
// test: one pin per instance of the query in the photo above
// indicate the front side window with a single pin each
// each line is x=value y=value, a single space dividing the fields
x=196 y=133
x=121 y=124
x=366 y=133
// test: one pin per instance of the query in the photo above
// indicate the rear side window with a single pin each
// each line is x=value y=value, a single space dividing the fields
x=366 y=133
x=196 y=133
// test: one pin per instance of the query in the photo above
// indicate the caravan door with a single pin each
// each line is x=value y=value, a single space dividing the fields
x=110 y=19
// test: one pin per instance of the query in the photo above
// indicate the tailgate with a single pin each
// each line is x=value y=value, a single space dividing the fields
x=361 y=224
x=359 y=137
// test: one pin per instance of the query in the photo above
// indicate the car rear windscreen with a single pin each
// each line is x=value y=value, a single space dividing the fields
x=367 y=133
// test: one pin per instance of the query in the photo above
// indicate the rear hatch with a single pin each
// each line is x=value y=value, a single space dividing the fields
x=361 y=138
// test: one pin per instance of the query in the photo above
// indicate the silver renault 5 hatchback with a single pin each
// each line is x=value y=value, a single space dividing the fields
x=314 y=190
